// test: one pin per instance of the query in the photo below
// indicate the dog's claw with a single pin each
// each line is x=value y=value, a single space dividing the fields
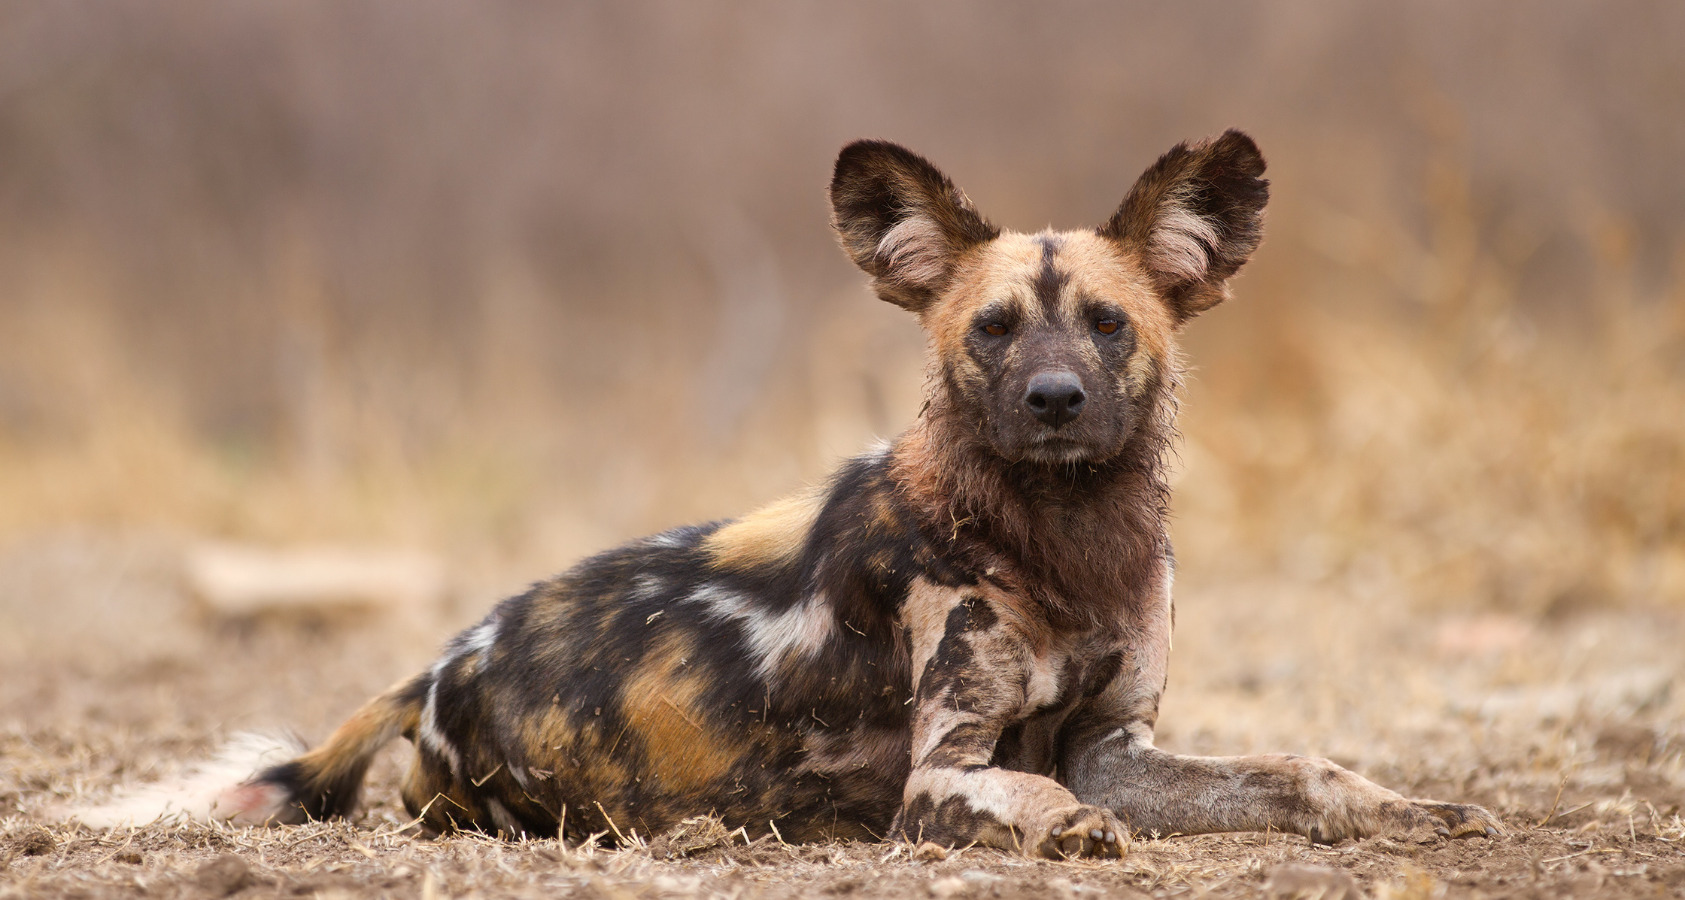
x=1454 y=820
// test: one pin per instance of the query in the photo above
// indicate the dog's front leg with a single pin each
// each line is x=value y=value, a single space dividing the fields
x=971 y=685
x=1153 y=791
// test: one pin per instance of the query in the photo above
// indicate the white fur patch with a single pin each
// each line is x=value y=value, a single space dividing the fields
x=800 y=630
x=670 y=540
x=431 y=737
x=1178 y=243
x=480 y=639
x=915 y=250
x=647 y=587
x=212 y=790
x=474 y=642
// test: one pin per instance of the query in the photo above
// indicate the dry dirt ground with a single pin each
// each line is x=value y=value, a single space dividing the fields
x=1572 y=729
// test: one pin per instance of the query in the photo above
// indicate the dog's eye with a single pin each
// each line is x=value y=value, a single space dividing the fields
x=994 y=328
x=1106 y=326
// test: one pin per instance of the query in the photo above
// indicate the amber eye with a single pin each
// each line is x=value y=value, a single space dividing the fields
x=1106 y=326
x=994 y=328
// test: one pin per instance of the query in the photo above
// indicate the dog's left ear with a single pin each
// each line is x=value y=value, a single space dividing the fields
x=902 y=220
x=1195 y=217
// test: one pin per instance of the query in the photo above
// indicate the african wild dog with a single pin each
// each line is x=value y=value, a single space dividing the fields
x=960 y=638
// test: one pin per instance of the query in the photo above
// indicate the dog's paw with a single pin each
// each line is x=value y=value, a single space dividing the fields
x=1420 y=820
x=1456 y=820
x=1337 y=804
x=1080 y=832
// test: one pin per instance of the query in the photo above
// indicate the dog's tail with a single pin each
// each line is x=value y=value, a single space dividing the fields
x=271 y=781
x=327 y=781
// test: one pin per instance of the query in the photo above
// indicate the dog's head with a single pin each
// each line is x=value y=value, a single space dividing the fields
x=1053 y=344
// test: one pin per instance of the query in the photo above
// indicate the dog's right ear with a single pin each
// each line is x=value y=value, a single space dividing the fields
x=902 y=220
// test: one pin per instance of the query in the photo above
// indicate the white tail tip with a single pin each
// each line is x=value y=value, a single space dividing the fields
x=217 y=789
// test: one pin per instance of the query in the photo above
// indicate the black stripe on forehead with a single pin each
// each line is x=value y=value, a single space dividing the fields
x=1049 y=282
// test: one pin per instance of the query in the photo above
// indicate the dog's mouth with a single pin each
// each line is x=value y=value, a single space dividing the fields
x=1093 y=439
x=1053 y=448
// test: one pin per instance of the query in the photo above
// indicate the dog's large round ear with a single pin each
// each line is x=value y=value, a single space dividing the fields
x=900 y=219
x=1195 y=217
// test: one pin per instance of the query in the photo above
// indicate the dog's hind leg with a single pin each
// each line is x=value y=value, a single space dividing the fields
x=442 y=804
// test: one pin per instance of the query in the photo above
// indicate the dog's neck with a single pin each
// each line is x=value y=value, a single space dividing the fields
x=1085 y=540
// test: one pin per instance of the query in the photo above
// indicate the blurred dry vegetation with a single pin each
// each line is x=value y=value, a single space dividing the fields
x=519 y=281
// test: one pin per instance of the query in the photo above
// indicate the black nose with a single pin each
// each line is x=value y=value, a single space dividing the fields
x=1055 y=397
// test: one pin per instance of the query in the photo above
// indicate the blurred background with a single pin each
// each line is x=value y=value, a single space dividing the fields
x=504 y=284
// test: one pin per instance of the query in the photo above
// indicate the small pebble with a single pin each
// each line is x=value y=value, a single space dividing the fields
x=930 y=852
